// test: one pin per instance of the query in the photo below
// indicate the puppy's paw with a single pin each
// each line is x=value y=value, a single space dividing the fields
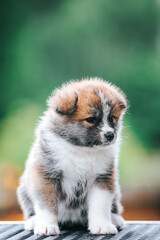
x=46 y=229
x=30 y=223
x=117 y=220
x=102 y=227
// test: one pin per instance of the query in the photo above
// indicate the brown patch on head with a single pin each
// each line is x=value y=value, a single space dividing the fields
x=116 y=112
x=76 y=100
x=118 y=109
x=87 y=101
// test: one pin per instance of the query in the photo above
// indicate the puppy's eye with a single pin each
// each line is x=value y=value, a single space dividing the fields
x=114 y=119
x=91 y=120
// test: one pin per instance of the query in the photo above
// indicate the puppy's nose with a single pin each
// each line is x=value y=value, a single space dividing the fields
x=109 y=136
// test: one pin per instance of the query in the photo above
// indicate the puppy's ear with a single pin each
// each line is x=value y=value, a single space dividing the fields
x=63 y=102
x=118 y=109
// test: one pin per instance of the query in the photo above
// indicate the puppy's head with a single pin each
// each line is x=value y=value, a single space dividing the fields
x=88 y=113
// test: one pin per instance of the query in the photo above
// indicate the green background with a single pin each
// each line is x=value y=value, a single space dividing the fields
x=45 y=43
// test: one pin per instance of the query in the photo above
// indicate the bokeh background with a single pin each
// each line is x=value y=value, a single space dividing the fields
x=45 y=43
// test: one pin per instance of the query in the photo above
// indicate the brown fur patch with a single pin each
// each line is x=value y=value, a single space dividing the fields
x=43 y=187
x=107 y=181
x=118 y=109
x=67 y=105
x=87 y=100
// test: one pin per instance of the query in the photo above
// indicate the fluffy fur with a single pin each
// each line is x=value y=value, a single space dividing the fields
x=71 y=172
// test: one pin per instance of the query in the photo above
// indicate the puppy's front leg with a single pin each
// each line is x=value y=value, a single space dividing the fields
x=46 y=221
x=44 y=196
x=99 y=211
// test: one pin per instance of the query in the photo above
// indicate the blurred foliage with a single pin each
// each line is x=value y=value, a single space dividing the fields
x=44 y=43
x=17 y=133
x=139 y=166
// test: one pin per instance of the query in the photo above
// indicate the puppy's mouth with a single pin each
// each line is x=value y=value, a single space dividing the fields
x=108 y=143
x=94 y=143
x=99 y=143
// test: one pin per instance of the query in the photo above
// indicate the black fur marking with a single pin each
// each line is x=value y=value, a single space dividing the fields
x=84 y=213
x=110 y=120
x=106 y=176
x=79 y=135
x=79 y=189
x=114 y=207
x=61 y=194
x=92 y=137
x=76 y=203
x=103 y=178
x=98 y=114
x=74 y=226
x=75 y=141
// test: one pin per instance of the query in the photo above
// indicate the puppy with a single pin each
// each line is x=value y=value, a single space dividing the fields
x=71 y=172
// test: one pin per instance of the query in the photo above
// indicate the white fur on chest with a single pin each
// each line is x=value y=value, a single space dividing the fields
x=79 y=163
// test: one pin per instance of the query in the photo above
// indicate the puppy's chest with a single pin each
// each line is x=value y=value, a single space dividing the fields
x=80 y=171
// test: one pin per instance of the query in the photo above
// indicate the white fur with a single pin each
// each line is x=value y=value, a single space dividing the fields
x=99 y=211
x=30 y=223
x=106 y=109
x=117 y=220
x=46 y=222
